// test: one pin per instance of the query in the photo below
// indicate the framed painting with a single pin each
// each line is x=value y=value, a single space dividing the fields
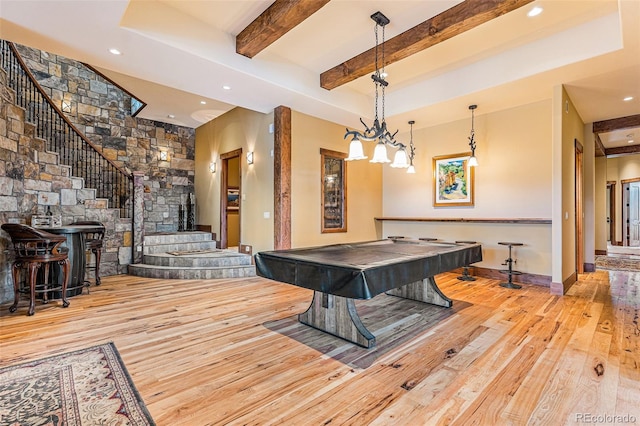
x=333 y=181
x=453 y=181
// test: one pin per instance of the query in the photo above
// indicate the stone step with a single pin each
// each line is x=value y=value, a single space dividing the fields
x=199 y=258
x=217 y=258
x=187 y=246
x=200 y=273
x=163 y=238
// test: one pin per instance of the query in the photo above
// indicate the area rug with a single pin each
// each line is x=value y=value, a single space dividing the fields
x=617 y=263
x=86 y=387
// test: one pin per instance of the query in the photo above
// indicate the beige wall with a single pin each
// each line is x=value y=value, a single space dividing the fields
x=364 y=185
x=513 y=180
x=249 y=130
x=240 y=128
x=589 y=198
x=567 y=127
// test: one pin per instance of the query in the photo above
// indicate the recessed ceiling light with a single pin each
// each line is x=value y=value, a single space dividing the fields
x=225 y=87
x=628 y=98
x=534 y=12
x=203 y=102
x=115 y=51
x=171 y=116
x=630 y=141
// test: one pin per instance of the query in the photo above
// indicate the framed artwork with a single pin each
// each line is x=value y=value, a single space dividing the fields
x=453 y=181
x=233 y=199
x=333 y=181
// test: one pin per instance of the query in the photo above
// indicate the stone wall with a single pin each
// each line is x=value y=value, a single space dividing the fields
x=100 y=110
x=31 y=178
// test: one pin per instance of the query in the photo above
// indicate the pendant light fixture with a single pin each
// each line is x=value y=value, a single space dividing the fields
x=378 y=130
x=473 y=161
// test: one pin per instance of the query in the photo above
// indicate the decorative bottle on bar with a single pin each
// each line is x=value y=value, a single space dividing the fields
x=180 y=217
x=191 y=214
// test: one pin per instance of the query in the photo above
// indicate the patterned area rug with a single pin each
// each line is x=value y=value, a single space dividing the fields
x=617 y=263
x=85 y=387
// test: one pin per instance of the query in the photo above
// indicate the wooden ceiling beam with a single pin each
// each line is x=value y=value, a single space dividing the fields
x=273 y=23
x=616 y=124
x=622 y=150
x=456 y=20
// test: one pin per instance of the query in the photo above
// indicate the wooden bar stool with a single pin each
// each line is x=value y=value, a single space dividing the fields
x=93 y=241
x=509 y=262
x=465 y=269
x=34 y=248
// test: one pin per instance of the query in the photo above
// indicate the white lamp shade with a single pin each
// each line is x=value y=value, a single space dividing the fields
x=411 y=169
x=380 y=154
x=400 y=159
x=473 y=161
x=356 y=152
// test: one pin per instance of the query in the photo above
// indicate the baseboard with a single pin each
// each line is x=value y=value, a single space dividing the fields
x=495 y=274
x=601 y=252
x=562 y=288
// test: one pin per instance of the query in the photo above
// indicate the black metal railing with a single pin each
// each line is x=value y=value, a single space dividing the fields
x=75 y=150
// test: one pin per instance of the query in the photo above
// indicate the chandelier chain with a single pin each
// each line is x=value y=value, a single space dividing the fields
x=383 y=76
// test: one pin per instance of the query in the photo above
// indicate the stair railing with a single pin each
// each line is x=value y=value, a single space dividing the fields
x=110 y=181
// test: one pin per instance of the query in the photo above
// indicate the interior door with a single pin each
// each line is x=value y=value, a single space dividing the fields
x=634 y=209
x=611 y=213
x=230 y=199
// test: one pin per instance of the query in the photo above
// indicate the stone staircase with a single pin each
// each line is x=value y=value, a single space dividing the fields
x=190 y=255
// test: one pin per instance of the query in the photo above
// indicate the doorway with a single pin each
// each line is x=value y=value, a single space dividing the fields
x=579 y=209
x=230 y=197
x=611 y=213
x=631 y=212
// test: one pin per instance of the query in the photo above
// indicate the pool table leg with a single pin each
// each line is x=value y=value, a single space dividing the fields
x=424 y=291
x=338 y=316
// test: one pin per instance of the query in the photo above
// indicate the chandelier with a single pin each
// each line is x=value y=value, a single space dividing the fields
x=378 y=130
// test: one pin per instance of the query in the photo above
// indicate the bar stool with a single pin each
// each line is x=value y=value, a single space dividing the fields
x=93 y=241
x=509 y=262
x=465 y=269
x=34 y=248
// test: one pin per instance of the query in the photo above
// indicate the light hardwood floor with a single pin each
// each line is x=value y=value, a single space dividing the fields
x=232 y=352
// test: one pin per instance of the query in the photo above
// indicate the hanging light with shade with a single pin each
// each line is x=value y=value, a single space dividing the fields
x=378 y=130
x=473 y=161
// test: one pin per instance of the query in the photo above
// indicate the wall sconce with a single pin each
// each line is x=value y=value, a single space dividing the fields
x=250 y=157
x=66 y=106
x=164 y=155
x=212 y=167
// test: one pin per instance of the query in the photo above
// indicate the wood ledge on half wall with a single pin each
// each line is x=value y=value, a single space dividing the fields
x=526 y=221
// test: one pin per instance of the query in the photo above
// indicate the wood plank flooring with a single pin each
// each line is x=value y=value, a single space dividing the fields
x=214 y=352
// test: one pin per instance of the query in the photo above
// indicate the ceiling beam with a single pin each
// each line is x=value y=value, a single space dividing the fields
x=616 y=124
x=460 y=18
x=622 y=150
x=273 y=23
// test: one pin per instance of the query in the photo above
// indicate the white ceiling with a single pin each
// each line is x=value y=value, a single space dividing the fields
x=177 y=53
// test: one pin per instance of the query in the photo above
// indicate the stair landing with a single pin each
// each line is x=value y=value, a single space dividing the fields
x=190 y=255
